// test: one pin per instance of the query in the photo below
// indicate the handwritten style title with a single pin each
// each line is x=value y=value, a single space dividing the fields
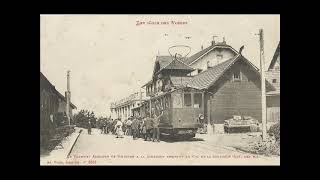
x=139 y=23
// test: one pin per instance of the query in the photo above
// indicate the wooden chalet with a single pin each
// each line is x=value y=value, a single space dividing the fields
x=208 y=57
x=232 y=88
x=167 y=73
x=273 y=97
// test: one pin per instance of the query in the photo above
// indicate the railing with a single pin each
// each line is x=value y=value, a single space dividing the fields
x=60 y=134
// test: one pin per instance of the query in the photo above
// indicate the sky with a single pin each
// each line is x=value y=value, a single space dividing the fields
x=111 y=57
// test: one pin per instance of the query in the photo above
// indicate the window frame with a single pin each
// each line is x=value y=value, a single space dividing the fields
x=194 y=100
x=184 y=102
x=233 y=75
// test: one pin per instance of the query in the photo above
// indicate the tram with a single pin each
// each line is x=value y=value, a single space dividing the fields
x=183 y=111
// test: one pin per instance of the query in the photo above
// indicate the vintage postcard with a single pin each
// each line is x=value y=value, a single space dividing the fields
x=159 y=90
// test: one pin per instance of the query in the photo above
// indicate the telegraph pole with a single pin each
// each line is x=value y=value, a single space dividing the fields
x=263 y=87
x=68 y=97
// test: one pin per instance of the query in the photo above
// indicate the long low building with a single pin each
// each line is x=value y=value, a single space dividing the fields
x=128 y=106
x=52 y=109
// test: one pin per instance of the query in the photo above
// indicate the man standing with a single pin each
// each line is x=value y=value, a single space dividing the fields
x=144 y=129
x=129 y=128
x=156 y=131
x=89 y=127
x=141 y=124
x=104 y=126
x=148 y=125
x=135 y=128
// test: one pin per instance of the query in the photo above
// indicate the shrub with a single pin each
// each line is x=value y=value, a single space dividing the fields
x=275 y=131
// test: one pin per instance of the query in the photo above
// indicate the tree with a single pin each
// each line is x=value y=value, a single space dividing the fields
x=83 y=117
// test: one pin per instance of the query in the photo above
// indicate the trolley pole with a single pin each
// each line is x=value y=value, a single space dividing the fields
x=263 y=87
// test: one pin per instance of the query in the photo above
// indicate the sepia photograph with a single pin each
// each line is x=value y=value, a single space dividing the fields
x=149 y=89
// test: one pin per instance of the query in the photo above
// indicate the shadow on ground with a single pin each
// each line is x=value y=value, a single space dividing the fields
x=179 y=139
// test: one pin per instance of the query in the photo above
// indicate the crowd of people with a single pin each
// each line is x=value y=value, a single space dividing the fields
x=135 y=126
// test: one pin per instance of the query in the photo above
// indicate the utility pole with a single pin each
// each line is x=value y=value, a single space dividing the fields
x=68 y=97
x=263 y=87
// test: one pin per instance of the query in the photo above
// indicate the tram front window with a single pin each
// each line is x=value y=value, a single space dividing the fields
x=197 y=100
x=187 y=100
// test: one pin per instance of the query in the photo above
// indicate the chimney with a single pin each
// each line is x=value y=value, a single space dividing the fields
x=224 y=40
x=201 y=47
x=68 y=81
x=213 y=42
x=208 y=65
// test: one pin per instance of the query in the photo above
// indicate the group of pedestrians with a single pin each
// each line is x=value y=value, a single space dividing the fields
x=146 y=128
x=137 y=127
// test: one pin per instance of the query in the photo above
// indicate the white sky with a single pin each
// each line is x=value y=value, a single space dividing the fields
x=110 y=57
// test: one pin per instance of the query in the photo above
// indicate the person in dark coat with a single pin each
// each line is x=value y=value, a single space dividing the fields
x=143 y=129
x=110 y=125
x=89 y=127
x=129 y=128
x=141 y=124
x=156 y=130
x=135 y=128
x=148 y=125
x=104 y=126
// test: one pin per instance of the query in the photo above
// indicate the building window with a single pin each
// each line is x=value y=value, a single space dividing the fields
x=274 y=80
x=197 y=100
x=187 y=100
x=237 y=75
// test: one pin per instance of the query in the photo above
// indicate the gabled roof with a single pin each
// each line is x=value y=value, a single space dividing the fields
x=52 y=87
x=208 y=78
x=275 y=57
x=177 y=64
x=167 y=62
x=163 y=61
x=180 y=81
x=192 y=59
x=204 y=79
